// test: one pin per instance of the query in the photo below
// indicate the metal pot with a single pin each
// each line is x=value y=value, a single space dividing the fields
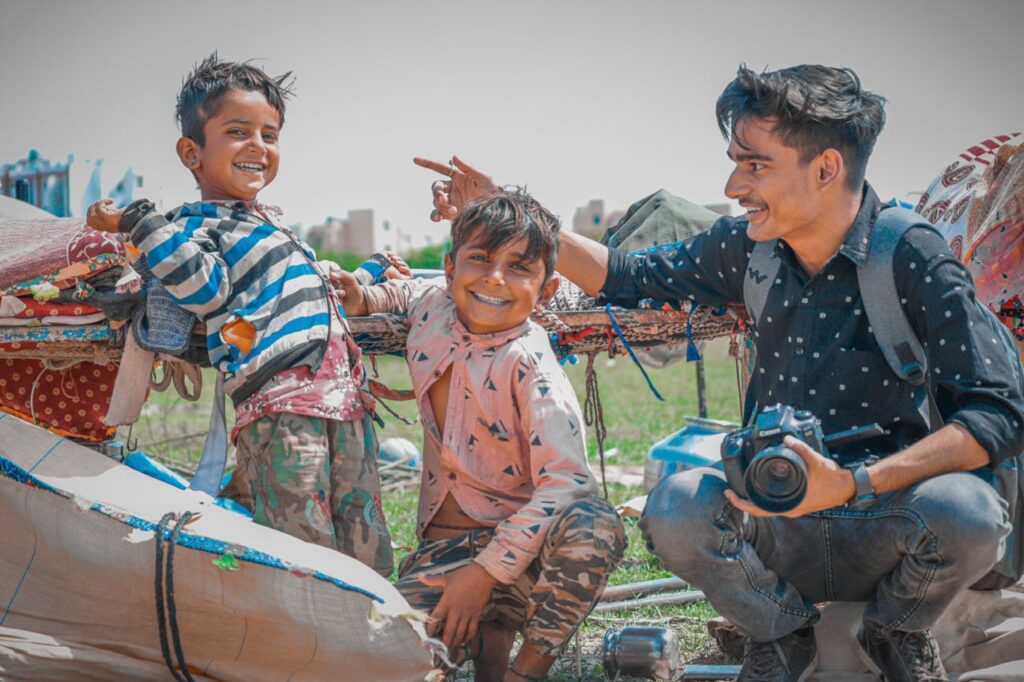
x=641 y=651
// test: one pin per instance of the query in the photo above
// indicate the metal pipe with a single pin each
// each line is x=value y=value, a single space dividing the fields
x=670 y=599
x=710 y=672
x=634 y=590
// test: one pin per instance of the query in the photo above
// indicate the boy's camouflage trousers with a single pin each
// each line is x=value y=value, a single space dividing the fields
x=317 y=479
x=555 y=593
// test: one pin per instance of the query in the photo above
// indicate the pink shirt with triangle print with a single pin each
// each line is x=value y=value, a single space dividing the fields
x=514 y=451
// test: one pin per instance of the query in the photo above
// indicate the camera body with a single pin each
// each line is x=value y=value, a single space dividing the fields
x=760 y=468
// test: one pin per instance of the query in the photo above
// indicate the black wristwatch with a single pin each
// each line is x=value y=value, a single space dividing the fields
x=133 y=213
x=865 y=492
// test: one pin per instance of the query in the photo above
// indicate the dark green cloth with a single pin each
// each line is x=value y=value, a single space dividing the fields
x=659 y=218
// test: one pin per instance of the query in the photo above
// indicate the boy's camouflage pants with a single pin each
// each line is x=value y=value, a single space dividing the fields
x=555 y=593
x=317 y=479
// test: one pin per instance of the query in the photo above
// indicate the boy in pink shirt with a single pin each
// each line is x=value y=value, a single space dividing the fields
x=513 y=537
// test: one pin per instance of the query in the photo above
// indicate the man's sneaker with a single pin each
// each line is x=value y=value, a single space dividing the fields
x=792 y=658
x=901 y=656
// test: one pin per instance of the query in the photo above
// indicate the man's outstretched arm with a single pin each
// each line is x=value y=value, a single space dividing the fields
x=584 y=261
x=707 y=268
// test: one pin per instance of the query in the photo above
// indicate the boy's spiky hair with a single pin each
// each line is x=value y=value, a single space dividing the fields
x=503 y=216
x=211 y=79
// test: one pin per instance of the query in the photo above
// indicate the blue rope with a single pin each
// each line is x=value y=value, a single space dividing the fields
x=18 y=588
x=59 y=441
x=692 y=353
x=629 y=349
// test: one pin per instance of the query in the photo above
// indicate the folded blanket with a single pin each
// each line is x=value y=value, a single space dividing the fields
x=66 y=320
x=29 y=308
x=35 y=247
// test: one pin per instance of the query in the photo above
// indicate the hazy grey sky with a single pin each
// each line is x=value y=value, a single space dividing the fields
x=578 y=99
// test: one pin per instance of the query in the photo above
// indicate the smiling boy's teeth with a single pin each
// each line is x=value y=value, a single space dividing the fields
x=488 y=299
x=250 y=166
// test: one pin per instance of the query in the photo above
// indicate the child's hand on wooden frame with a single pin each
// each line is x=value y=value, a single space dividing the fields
x=399 y=268
x=103 y=216
x=353 y=299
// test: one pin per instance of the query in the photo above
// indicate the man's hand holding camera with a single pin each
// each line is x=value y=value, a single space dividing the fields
x=781 y=465
x=828 y=484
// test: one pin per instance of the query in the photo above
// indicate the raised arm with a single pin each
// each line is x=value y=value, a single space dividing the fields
x=464 y=184
x=185 y=261
x=707 y=268
x=583 y=261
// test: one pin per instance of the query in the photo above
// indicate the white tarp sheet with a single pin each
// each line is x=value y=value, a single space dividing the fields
x=77 y=583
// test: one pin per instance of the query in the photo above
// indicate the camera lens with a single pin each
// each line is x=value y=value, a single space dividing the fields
x=776 y=479
x=780 y=470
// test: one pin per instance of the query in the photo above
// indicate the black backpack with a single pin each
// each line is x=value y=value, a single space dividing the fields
x=904 y=354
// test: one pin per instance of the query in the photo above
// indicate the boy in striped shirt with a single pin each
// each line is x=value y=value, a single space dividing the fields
x=304 y=438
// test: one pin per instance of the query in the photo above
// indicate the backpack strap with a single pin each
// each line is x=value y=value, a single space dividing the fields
x=889 y=324
x=877 y=283
x=903 y=352
x=762 y=269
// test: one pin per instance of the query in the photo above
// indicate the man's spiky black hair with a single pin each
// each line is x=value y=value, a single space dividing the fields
x=811 y=108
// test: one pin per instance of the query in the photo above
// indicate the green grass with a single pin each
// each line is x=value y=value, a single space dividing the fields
x=634 y=418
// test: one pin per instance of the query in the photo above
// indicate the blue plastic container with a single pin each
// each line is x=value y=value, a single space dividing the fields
x=698 y=444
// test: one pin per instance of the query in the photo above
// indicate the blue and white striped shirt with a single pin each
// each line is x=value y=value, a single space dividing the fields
x=228 y=263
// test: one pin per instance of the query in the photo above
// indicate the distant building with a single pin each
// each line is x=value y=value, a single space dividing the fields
x=352 y=234
x=588 y=219
x=591 y=220
x=39 y=182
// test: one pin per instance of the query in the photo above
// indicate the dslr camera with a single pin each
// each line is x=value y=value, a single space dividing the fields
x=761 y=469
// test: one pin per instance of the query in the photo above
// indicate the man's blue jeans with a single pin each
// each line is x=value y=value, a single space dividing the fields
x=906 y=554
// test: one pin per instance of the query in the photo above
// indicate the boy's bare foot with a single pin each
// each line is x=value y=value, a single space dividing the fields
x=529 y=666
x=491 y=663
